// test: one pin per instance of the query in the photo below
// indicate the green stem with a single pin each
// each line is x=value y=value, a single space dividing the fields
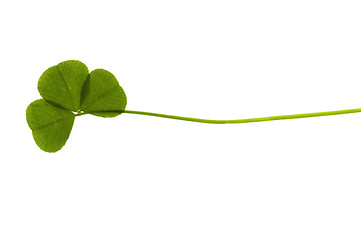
x=261 y=119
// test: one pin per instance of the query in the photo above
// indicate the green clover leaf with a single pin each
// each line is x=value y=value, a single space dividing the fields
x=69 y=90
x=62 y=84
x=51 y=126
x=102 y=96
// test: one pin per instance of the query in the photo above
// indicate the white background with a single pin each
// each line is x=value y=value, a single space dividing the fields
x=139 y=177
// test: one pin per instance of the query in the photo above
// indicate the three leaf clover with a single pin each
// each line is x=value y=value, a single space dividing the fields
x=69 y=90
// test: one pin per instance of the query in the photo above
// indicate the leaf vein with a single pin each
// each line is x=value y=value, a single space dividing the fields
x=67 y=87
x=102 y=95
x=48 y=124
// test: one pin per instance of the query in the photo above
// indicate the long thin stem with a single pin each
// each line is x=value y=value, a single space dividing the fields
x=261 y=119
